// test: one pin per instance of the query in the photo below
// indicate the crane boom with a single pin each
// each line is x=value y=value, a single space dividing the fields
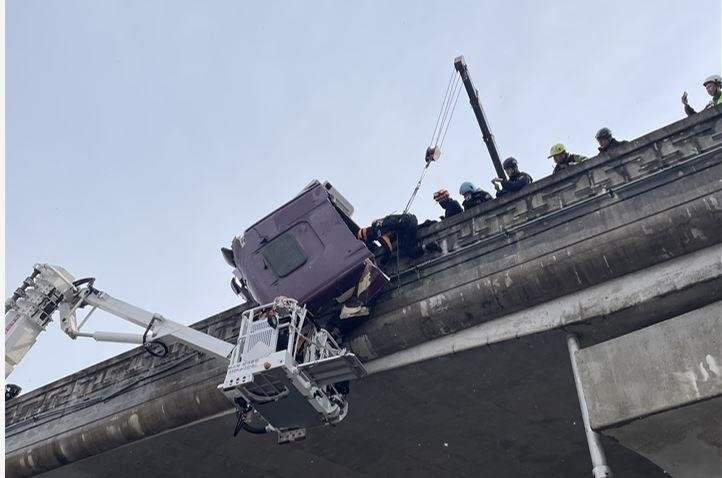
x=282 y=366
x=51 y=288
x=460 y=65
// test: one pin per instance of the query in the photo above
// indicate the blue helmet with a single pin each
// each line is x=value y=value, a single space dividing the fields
x=466 y=188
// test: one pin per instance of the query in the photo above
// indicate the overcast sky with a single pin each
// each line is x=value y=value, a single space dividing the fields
x=143 y=135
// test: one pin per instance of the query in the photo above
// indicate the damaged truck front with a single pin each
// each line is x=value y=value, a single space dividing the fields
x=307 y=250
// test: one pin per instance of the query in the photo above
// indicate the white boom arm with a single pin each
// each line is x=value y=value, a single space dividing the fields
x=51 y=288
x=283 y=366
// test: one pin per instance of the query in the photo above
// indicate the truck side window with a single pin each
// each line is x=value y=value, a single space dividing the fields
x=284 y=254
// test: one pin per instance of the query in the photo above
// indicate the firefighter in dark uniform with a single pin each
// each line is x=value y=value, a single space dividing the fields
x=451 y=206
x=472 y=195
x=516 y=181
x=397 y=235
x=606 y=141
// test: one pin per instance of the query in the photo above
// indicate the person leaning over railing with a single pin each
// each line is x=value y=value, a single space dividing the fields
x=606 y=141
x=517 y=179
x=473 y=196
x=564 y=159
x=713 y=85
x=450 y=206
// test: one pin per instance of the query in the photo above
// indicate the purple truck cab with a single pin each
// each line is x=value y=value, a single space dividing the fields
x=307 y=250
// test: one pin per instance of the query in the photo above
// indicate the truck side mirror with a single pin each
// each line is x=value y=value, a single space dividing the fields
x=228 y=256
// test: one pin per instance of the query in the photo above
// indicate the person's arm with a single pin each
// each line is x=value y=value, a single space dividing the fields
x=517 y=184
x=687 y=109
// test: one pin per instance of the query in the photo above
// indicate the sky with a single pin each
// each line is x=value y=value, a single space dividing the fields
x=142 y=136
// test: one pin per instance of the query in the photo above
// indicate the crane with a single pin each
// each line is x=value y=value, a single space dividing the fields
x=463 y=70
x=282 y=366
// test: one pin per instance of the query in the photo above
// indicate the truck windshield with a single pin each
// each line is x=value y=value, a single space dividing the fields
x=284 y=254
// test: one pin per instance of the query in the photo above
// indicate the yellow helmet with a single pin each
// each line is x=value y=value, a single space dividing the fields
x=556 y=149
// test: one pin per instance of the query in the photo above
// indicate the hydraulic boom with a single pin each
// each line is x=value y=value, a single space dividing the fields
x=461 y=67
x=283 y=367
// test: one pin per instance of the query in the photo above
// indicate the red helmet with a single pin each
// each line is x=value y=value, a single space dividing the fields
x=441 y=195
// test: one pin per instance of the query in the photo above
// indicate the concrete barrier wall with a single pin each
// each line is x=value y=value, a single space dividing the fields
x=659 y=199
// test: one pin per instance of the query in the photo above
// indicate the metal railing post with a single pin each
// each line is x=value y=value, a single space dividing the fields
x=599 y=461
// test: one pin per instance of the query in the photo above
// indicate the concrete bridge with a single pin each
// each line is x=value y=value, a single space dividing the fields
x=468 y=352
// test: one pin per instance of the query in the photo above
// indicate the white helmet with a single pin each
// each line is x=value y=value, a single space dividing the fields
x=716 y=79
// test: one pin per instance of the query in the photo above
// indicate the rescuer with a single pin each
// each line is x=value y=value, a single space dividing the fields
x=713 y=85
x=473 y=196
x=606 y=141
x=397 y=234
x=451 y=206
x=563 y=159
x=516 y=181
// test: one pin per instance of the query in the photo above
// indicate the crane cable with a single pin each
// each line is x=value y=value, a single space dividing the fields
x=443 y=120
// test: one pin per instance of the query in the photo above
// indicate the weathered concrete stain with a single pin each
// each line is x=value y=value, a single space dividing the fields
x=687 y=381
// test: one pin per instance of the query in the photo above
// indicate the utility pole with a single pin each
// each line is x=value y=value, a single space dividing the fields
x=460 y=66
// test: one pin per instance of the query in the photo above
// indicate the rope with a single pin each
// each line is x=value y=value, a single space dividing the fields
x=451 y=115
x=441 y=111
x=416 y=189
x=447 y=107
x=443 y=120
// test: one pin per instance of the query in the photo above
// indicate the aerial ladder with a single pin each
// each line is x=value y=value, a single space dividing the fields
x=282 y=366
